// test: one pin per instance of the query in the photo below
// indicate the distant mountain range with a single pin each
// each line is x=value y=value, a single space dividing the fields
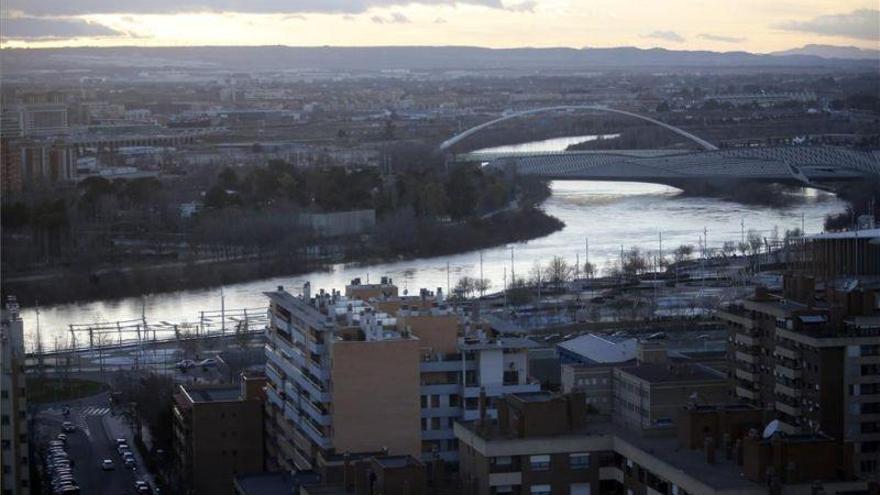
x=831 y=51
x=266 y=58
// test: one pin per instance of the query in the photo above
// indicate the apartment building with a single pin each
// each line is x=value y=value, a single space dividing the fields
x=341 y=379
x=371 y=372
x=649 y=396
x=14 y=456
x=218 y=434
x=544 y=443
x=811 y=353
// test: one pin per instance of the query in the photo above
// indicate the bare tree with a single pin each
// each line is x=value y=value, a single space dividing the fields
x=589 y=270
x=558 y=272
x=481 y=285
x=728 y=249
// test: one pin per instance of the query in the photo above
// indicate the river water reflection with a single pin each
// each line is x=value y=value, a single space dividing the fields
x=609 y=214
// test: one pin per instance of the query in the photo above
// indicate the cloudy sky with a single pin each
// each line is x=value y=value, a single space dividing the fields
x=752 y=25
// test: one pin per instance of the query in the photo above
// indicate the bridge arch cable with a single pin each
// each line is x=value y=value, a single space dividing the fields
x=706 y=145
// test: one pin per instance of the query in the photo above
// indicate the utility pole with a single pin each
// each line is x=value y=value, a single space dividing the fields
x=505 y=287
x=587 y=245
x=512 y=270
x=742 y=230
x=705 y=242
x=447 y=280
x=482 y=286
x=222 y=312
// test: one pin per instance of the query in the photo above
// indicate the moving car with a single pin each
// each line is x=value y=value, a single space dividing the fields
x=107 y=465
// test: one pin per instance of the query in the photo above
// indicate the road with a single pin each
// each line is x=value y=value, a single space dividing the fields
x=94 y=441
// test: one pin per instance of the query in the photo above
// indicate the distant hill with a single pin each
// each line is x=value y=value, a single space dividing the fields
x=831 y=51
x=273 y=58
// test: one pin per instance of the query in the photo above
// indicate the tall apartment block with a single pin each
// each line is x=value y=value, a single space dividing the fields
x=810 y=354
x=373 y=372
x=218 y=433
x=14 y=457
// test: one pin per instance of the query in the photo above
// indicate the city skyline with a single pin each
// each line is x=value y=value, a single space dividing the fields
x=710 y=25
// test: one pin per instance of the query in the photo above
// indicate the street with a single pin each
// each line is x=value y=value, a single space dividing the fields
x=94 y=440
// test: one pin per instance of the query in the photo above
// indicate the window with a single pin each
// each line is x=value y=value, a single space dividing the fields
x=579 y=461
x=503 y=490
x=435 y=401
x=579 y=489
x=539 y=463
x=453 y=400
x=540 y=490
x=505 y=460
x=424 y=401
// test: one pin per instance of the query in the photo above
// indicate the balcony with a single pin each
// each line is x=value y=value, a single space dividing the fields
x=497 y=390
x=790 y=373
x=793 y=411
x=746 y=340
x=745 y=357
x=787 y=390
x=610 y=473
x=314 y=433
x=447 y=434
x=451 y=365
x=274 y=398
x=745 y=375
x=274 y=374
x=787 y=353
x=316 y=414
x=746 y=393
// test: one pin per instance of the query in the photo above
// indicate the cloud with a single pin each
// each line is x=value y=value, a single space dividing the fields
x=439 y=20
x=861 y=24
x=723 y=39
x=527 y=6
x=42 y=8
x=394 y=18
x=664 y=35
x=42 y=28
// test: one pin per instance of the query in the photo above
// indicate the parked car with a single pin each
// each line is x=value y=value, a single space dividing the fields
x=207 y=363
x=185 y=364
x=130 y=463
x=122 y=449
x=62 y=437
x=68 y=427
x=107 y=465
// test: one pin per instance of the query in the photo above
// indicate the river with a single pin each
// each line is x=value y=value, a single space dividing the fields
x=608 y=214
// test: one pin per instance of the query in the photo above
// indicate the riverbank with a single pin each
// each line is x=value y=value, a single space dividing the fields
x=68 y=286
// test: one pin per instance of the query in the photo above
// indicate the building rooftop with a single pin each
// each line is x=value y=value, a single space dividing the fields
x=665 y=373
x=601 y=349
x=476 y=344
x=212 y=394
x=274 y=483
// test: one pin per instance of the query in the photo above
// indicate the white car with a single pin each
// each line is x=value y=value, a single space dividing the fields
x=205 y=363
x=107 y=465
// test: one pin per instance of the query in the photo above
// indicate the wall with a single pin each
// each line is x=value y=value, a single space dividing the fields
x=375 y=396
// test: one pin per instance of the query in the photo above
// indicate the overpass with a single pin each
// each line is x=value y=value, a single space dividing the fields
x=807 y=165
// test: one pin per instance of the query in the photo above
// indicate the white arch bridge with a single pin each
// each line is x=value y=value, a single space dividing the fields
x=808 y=165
